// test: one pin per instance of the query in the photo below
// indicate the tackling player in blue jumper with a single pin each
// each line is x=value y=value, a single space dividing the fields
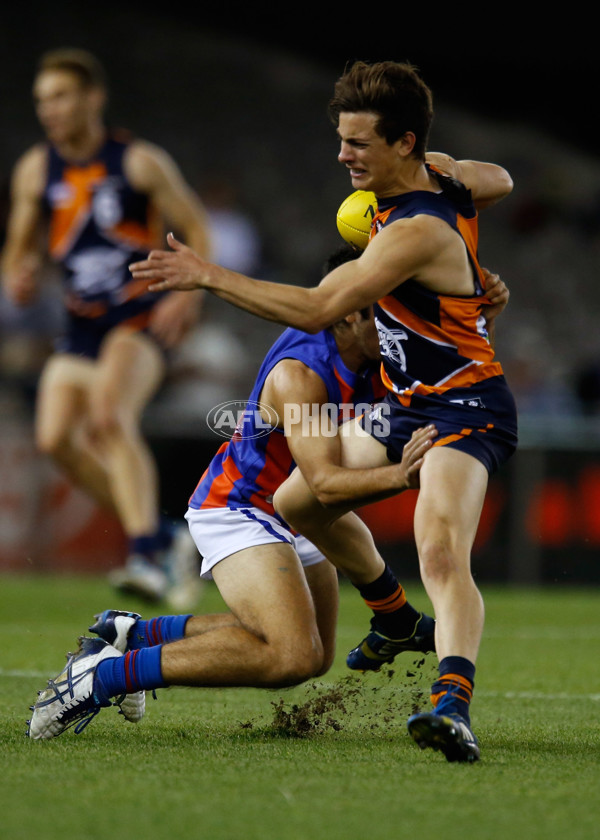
x=280 y=589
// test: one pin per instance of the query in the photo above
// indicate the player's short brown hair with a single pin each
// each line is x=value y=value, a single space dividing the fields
x=391 y=90
x=81 y=63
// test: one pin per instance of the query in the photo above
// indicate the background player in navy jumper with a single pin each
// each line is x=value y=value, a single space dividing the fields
x=421 y=272
x=92 y=200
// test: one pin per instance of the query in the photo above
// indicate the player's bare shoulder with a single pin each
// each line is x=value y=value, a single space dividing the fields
x=422 y=228
x=289 y=382
x=424 y=248
x=147 y=165
x=411 y=243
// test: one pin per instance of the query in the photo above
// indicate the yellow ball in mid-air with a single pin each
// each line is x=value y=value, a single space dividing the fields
x=354 y=217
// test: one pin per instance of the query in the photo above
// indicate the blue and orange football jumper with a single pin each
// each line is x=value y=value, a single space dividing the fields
x=248 y=469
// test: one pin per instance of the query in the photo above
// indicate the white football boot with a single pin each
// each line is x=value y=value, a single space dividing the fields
x=69 y=699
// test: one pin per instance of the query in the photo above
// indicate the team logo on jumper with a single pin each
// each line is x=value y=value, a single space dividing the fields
x=60 y=194
x=97 y=270
x=106 y=204
x=390 y=344
x=237 y=419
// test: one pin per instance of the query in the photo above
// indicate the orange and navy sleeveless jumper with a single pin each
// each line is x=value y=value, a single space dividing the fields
x=97 y=225
x=437 y=363
x=248 y=469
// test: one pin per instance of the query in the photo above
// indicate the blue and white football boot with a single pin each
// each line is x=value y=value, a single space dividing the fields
x=69 y=699
x=114 y=626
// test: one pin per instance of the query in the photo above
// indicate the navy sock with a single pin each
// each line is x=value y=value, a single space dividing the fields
x=149 y=544
x=451 y=693
x=166 y=531
x=392 y=614
x=146 y=545
x=147 y=633
x=134 y=671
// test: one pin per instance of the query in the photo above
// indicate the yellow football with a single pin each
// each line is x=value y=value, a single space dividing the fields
x=354 y=217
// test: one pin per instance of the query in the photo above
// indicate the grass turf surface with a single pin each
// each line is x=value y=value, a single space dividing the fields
x=330 y=759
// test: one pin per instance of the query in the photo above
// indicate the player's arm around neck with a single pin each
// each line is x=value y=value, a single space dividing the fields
x=488 y=182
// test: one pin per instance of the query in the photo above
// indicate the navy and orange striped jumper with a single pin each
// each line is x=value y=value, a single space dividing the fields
x=437 y=362
x=98 y=224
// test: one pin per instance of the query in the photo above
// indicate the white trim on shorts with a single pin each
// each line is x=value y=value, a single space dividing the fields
x=220 y=532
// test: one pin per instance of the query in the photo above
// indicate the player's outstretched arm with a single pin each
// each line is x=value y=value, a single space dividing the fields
x=395 y=254
x=182 y=269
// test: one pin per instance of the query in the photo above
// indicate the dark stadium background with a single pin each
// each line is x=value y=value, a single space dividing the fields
x=539 y=68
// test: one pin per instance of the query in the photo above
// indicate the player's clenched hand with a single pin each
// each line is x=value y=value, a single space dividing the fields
x=496 y=292
x=21 y=284
x=180 y=269
x=173 y=316
x=414 y=452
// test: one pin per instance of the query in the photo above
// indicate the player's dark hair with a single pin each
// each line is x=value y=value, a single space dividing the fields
x=343 y=255
x=339 y=257
x=81 y=63
x=394 y=92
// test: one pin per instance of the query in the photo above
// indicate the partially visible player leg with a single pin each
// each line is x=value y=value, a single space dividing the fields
x=347 y=542
x=130 y=369
x=129 y=631
x=453 y=486
x=322 y=579
x=275 y=641
x=183 y=566
x=61 y=425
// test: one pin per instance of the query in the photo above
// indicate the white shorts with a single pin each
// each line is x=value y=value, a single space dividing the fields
x=220 y=532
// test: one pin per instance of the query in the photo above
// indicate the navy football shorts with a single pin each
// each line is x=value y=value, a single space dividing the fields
x=480 y=420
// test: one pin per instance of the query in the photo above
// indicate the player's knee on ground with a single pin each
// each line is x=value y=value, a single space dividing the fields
x=296 y=665
x=326 y=663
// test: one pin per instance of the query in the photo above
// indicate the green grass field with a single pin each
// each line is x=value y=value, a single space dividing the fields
x=330 y=759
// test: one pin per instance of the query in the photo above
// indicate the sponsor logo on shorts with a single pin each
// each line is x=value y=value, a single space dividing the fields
x=470 y=402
